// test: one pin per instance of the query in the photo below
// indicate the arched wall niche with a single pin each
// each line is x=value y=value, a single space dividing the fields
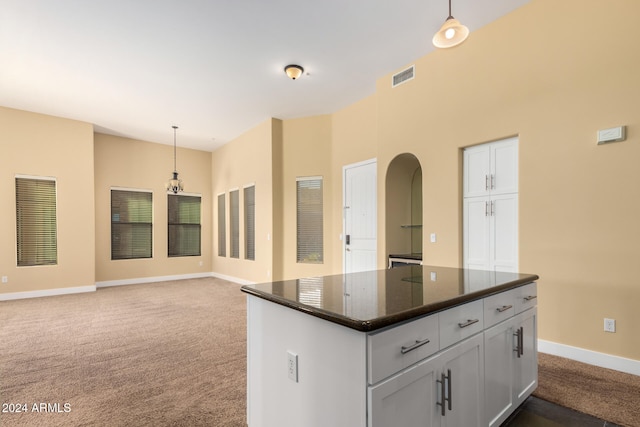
x=403 y=194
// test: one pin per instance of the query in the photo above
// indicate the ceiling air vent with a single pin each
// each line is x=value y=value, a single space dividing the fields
x=403 y=76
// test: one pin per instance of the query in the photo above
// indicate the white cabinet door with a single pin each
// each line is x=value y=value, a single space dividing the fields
x=464 y=364
x=504 y=167
x=526 y=366
x=503 y=234
x=511 y=365
x=499 y=345
x=415 y=397
x=477 y=233
x=477 y=171
x=490 y=206
x=407 y=399
x=491 y=168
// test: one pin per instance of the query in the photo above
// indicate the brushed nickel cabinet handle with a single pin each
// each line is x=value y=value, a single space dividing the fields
x=405 y=350
x=517 y=349
x=486 y=182
x=530 y=297
x=469 y=322
x=521 y=341
x=449 y=390
x=503 y=308
x=442 y=393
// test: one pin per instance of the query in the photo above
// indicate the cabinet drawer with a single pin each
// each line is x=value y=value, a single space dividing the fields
x=499 y=307
x=460 y=322
x=527 y=297
x=397 y=348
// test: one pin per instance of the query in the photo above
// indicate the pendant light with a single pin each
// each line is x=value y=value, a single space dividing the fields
x=451 y=34
x=174 y=184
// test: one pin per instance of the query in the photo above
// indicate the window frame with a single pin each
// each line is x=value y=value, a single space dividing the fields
x=178 y=225
x=222 y=224
x=249 y=223
x=37 y=253
x=305 y=253
x=150 y=224
x=234 y=224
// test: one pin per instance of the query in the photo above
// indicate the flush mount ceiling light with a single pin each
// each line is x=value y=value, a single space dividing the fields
x=174 y=184
x=293 y=71
x=451 y=34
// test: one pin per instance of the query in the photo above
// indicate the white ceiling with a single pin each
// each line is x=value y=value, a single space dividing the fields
x=214 y=68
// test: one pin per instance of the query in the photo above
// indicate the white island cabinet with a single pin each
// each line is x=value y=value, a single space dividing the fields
x=436 y=354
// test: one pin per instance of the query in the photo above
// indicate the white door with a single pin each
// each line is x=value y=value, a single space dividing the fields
x=360 y=217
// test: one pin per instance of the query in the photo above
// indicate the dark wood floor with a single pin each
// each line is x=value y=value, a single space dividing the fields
x=540 y=413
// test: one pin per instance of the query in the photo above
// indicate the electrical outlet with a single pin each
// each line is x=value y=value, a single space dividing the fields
x=609 y=325
x=292 y=366
x=5 y=279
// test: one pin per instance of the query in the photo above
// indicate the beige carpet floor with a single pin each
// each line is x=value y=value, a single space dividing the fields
x=174 y=354
x=165 y=354
x=603 y=393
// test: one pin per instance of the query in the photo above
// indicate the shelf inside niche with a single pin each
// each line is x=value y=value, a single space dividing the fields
x=411 y=226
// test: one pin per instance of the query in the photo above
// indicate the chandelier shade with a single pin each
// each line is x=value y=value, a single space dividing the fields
x=174 y=184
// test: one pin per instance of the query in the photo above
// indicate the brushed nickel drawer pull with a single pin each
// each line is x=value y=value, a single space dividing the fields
x=503 y=308
x=405 y=350
x=468 y=323
x=530 y=297
x=442 y=393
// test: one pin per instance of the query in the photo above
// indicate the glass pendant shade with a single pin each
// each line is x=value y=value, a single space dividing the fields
x=175 y=184
x=451 y=34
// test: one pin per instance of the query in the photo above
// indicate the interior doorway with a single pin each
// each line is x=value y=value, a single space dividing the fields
x=360 y=206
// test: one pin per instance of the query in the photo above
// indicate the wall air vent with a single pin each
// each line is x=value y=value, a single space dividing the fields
x=403 y=76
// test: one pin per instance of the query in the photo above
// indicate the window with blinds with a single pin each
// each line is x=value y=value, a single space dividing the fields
x=250 y=222
x=184 y=225
x=36 y=222
x=131 y=224
x=309 y=225
x=222 y=226
x=234 y=219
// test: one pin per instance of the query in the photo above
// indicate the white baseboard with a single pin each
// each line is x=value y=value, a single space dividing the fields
x=232 y=279
x=46 y=293
x=590 y=357
x=141 y=280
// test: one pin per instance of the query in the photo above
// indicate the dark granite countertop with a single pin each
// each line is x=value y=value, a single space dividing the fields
x=376 y=299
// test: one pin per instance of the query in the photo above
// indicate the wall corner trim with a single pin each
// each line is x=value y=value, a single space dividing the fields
x=46 y=293
x=590 y=357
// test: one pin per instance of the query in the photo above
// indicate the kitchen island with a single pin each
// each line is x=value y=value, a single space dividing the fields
x=415 y=345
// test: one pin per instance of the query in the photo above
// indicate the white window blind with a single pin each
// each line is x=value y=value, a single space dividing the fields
x=36 y=222
x=309 y=218
x=184 y=225
x=222 y=226
x=234 y=219
x=250 y=222
x=131 y=224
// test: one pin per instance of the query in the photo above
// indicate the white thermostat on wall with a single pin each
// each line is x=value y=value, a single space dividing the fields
x=612 y=135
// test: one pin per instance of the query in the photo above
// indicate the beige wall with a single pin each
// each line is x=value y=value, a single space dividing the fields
x=246 y=161
x=306 y=151
x=554 y=84
x=39 y=145
x=122 y=162
x=531 y=74
x=354 y=139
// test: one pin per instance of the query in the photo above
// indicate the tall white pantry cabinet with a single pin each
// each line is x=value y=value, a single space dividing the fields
x=490 y=217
